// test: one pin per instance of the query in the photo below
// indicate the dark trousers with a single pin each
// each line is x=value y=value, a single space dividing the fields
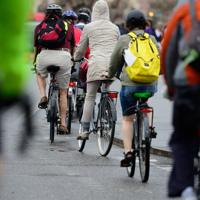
x=184 y=141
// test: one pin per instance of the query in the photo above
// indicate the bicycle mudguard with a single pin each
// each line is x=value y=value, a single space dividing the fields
x=113 y=109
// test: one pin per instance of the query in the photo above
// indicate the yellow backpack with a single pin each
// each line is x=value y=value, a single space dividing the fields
x=145 y=64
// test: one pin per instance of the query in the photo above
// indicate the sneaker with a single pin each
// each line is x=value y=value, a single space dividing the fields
x=43 y=103
x=126 y=162
x=188 y=194
x=83 y=136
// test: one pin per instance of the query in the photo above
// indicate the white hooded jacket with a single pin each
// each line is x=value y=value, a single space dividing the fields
x=101 y=37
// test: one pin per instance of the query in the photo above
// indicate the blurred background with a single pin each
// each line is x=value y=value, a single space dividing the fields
x=158 y=11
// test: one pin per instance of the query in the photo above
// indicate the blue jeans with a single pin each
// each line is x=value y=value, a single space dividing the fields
x=127 y=99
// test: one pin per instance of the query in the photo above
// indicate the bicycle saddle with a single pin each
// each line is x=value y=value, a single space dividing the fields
x=142 y=95
x=53 y=69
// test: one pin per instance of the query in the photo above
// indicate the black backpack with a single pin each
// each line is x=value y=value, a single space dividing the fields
x=52 y=33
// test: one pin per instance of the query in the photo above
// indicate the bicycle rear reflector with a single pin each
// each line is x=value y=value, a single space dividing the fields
x=113 y=95
x=72 y=84
x=146 y=110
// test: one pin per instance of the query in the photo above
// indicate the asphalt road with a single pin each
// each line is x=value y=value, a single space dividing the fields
x=59 y=171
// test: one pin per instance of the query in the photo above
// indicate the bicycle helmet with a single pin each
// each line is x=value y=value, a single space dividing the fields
x=84 y=14
x=70 y=14
x=136 y=19
x=54 y=9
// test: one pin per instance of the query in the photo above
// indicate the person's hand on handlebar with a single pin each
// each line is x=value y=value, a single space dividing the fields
x=105 y=75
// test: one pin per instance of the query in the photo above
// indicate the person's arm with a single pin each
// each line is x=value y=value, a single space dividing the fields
x=82 y=46
x=117 y=59
x=36 y=49
x=72 y=42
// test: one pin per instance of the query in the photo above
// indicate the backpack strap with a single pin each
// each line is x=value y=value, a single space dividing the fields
x=132 y=35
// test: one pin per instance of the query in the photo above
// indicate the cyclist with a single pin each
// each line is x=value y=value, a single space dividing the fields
x=84 y=17
x=13 y=71
x=100 y=36
x=55 y=56
x=135 y=22
x=70 y=16
x=183 y=85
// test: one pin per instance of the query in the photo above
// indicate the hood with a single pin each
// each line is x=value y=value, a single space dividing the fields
x=100 y=11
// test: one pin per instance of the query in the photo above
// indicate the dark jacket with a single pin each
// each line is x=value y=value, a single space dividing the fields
x=178 y=27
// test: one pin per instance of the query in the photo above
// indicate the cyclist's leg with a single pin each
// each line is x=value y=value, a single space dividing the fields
x=127 y=101
x=41 y=76
x=92 y=88
x=184 y=140
x=63 y=78
x=63 y=105
x=127 y=130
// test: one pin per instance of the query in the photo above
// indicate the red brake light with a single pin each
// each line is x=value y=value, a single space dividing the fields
x=72 y=84
x=113 y=95
x=146 y=110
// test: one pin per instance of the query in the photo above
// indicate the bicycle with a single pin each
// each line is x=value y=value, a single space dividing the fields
x=142 y=135
x=53 y=96
x=104 y=125
x=72 y=97
x=76 y=95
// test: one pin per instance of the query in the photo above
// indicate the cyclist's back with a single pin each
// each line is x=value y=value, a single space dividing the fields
x=183 y=86
x=100 y=36
x=136 y=24
x=57 y=53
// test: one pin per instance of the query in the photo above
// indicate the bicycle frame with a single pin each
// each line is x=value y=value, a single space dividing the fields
x=73 y=92
x=104 y=94
x=53 y=86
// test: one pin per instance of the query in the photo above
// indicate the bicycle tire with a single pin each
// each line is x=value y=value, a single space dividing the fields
x=131 y=169
x=144 y=148
x=53 y=115
x=79 y=107
x=81 y=143
x=106 y=131
x=69 y=114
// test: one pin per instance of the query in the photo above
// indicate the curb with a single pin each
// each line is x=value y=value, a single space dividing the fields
x=156 y=151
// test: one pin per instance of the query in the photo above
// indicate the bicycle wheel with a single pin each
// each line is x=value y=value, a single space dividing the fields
x=81 y=143
x=53 y=115
x=79 y=107
x=144 y=148
x=106 y=130
x=131 y=169
x=69 y=114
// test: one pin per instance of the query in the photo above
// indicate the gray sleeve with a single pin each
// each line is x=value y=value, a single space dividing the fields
x=117 y=59
x=156 y=43
x=82 y=46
